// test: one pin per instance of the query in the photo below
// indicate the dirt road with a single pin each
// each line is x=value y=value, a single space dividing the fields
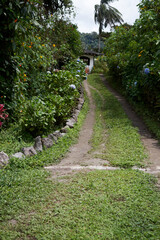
x=79 y=158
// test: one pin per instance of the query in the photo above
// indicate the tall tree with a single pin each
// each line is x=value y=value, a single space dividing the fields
x=106 y=15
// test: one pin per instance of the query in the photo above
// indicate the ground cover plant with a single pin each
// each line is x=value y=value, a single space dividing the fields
x=123 y=146
x=121 y=204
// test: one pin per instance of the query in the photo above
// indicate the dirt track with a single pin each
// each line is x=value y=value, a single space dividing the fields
x=79 y=159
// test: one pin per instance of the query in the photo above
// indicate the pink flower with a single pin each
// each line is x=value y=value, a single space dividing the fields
x=1 y=107
x=0 y=124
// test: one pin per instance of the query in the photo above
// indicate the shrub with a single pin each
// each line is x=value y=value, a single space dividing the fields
x=37 y=116
x=133 y=56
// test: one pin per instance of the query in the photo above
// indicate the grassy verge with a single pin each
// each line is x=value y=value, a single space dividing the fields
x=149 y=118
x=123 y=146
x=121 y=204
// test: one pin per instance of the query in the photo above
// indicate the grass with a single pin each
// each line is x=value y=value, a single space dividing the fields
x=123 y=146
x=150 y=119
x=99 y=205
x=13 y=139
x=121 y=204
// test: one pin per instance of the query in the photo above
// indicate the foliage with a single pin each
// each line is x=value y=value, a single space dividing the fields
x=133 y=56
x=90 y=41
x=106 y=15
x=54 y=103
x=67 y=39
x=35 y=43
x=37 y=116
x=100 y=65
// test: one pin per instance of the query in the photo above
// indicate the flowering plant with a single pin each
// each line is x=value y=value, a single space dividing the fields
x=3 y=115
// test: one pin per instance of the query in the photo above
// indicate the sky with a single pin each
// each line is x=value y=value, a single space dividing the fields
x=84 y=10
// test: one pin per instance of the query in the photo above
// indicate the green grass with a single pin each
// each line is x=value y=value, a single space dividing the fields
x=149 y=117
x=123 y=146
x=13 y=139
x=115 y=205
x=100 y=205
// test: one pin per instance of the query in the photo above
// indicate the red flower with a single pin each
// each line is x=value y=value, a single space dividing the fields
x=15 y=20
x=1 y=107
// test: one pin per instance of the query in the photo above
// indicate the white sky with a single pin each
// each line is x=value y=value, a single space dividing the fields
x=85 y=13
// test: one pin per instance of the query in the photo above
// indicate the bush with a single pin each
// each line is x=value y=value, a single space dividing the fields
x=133 y=56
x=37 y=116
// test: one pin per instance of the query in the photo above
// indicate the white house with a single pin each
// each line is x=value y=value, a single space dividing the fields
x=88 y=58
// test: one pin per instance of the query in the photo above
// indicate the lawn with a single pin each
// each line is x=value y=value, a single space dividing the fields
x=98 y=205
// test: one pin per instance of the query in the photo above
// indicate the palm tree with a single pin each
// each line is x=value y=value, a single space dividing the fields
x=106 y=15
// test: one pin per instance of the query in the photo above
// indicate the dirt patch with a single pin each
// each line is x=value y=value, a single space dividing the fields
x=79 y=153
x=80 y=157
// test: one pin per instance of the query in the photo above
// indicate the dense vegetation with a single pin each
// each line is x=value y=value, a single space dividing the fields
x=90 y=41
x=38 y=38
x=132 y=56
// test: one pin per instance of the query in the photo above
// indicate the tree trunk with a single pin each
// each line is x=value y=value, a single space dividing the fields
x=99 y=44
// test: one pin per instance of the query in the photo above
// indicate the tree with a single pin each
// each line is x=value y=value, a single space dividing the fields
x=17 y=19
x=106 y=15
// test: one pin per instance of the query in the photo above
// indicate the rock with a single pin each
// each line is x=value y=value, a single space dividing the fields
x=52 y=137
x=64 y=129
x=29 y=151
x=57 y=133
x=47 y=142
x=19 y=155
x=4 y=159
x=38 y=144
x=81 y=101
x=79 y=106
x=62 y=134
x=76 y=113
x=70 y=122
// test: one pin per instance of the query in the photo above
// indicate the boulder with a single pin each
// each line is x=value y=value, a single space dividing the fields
x=4 y=159
x=19 y=155
x=47 y=142
x=29 y=151
x=38 y=144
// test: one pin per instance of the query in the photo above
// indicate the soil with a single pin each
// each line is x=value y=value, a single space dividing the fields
x=80 y=158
